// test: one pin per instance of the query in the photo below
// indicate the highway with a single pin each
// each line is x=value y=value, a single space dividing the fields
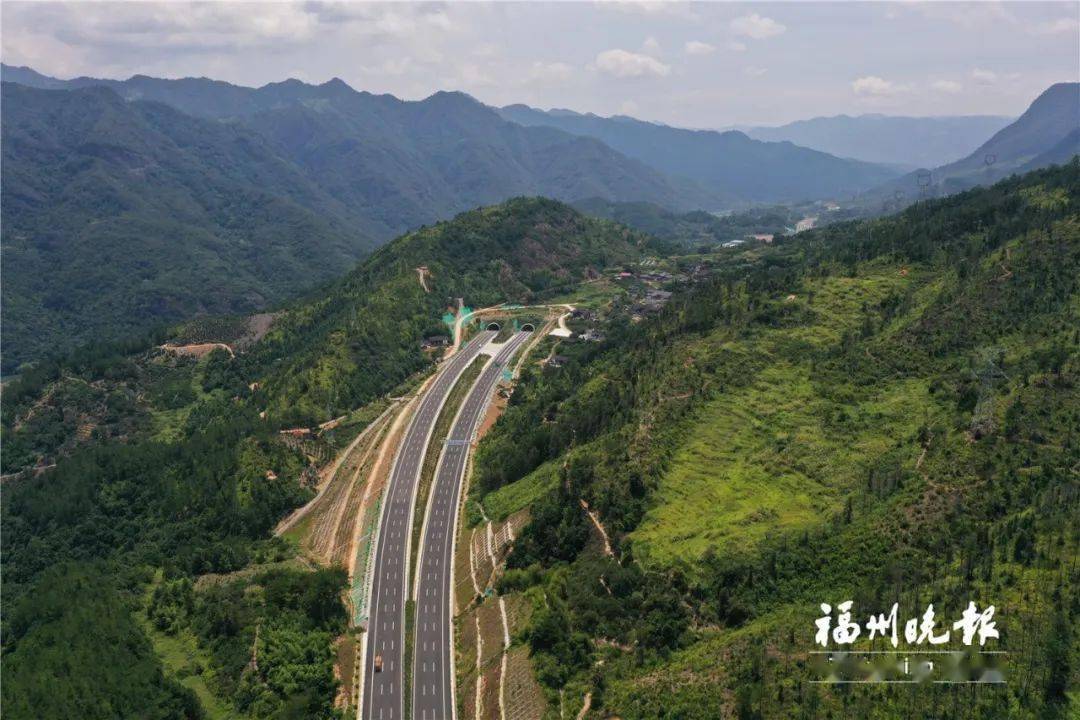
x=432 y=687
x=382 y=692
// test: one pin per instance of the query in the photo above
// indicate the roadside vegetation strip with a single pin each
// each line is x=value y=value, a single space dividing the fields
x=324 y=519
x=345 y=533
x=362 y=563
x=524 y=697
x=465 y=668
x=427 y=476
x=360 y=566
x=330 y=475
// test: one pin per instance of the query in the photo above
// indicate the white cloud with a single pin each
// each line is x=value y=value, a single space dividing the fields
x=736 y=46
x=651 y=45
x=471 y=76
x=393 y=67
x=1061 y=25
x=468 y=77
x=947 y=86
x=968 y=16
x=876 y=86
x=625 y=64
x=485 y=50
x=551 y=72
x=696 y=47
x=753 y=71
x=757 y=27
x=984 y=77
x=673 y=8
x=628 y=107
x=440 y=20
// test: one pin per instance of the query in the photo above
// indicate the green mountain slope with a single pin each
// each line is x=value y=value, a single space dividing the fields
x=401 y=164
x=178 y=523
x=362 y=335
x=118 y=216
x=883 y=411
x=407 y=163
x=879 y=412
x=1044 y=135
x=340 y=348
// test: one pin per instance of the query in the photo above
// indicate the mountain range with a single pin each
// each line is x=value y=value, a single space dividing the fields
x=729 y=163
x=135 y=202
x=401 y=164
x=1047 y=133
x=128 y=203
x=901 y=141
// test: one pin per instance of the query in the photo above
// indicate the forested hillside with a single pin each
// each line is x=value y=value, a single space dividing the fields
x=163 y=512
x=884 y=411
x=361 y=336
x=400 y=164
x=694 y=229
x=129 y=204
x=120 y=216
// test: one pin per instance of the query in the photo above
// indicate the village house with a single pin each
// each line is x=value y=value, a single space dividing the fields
x=435 y=341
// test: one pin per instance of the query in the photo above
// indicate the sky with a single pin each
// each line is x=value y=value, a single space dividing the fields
x=702 y=65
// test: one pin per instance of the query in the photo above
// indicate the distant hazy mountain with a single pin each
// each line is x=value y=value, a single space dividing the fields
x=910 y=141
x=1060 y=154
x=1046 y=134
x=729 y=163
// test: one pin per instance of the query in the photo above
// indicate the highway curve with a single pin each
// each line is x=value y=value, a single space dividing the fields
x=382 y=692
x=432 y=685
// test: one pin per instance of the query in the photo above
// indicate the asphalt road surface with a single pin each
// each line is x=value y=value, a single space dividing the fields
x=383 y=696
x=432 y=687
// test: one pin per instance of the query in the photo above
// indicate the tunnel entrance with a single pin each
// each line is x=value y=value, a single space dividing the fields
x=493 y=327
x=527 y=327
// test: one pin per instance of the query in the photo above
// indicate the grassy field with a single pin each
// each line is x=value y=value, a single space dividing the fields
x=593 y=294
x=184 y=661
x=778 y=454
x=507 y=500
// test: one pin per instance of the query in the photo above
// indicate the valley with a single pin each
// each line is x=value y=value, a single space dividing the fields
x=346 y=382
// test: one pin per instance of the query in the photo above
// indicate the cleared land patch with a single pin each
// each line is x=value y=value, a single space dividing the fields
x=779 y=454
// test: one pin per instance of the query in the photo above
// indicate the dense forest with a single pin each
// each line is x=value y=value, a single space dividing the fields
x=129 y=204
x=883 y=411
x=119 y=217
x=163 y=509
